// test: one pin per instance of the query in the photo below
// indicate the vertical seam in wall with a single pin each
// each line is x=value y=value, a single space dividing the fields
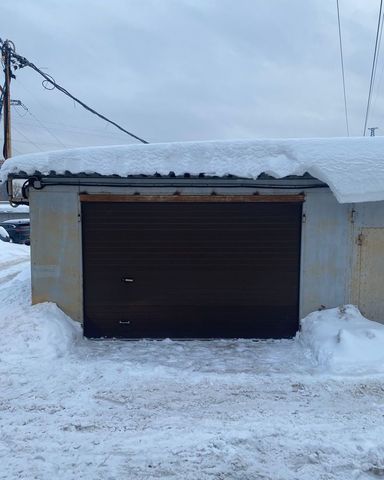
x=355 y=261
x=80 y=259
x=302 y=256
x=358 y=279
x=349 y=284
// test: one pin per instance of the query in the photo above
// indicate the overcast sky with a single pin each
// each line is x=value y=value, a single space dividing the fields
x=175 y=70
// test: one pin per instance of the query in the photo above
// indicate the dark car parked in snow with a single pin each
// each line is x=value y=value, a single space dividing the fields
x=18 y=230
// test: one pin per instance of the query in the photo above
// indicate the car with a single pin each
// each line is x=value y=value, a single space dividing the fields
x=4 y=235
x=18 y=230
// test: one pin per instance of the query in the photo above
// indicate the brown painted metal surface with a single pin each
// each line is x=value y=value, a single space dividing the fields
x=192 y=198
x=191 y=269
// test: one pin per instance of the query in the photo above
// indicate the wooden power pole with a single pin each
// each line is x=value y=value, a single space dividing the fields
x=7 y=150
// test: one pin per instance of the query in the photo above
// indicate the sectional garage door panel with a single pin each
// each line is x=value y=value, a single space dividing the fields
x=191 y=270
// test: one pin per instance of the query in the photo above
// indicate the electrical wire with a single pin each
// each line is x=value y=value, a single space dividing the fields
x=20 y=62
x=19 y=114
x=342 y=67
x=67 y=127
x=374 y=64
x=39 y=122
x=27 y=138
x=378 y=88
x=376 y=94
x=378 y=50
x=17 y=140
x=116 y=135
x=84 y=183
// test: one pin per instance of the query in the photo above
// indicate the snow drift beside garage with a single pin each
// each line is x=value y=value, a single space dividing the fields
x=352 y=167
x=342 y=339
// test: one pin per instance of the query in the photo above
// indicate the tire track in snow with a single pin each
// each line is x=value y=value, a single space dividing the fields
x=9 y=269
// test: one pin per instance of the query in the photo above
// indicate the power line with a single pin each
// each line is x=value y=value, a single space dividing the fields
x=377 y=85
x=39 y=122
x=20 y=62
x=19 y=114
x=27 y=138
x=40 y=143
x=378 y=51
x=342 y=67
x=80 y=131
x=19 y=103
x=68 y=127
x=374 y=64
x=376 y=92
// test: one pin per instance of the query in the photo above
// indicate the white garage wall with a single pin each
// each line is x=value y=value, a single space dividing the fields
x=326 y=250
x=56 y=249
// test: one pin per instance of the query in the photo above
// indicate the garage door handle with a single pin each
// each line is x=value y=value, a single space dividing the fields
x=128 y=280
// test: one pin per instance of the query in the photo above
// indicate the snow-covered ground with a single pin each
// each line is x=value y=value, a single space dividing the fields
x=292 y=409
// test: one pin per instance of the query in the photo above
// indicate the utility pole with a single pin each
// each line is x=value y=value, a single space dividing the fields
x=7 y=150
x=17 y=103
x=372 y=131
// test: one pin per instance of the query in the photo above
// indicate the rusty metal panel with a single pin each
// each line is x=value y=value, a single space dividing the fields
x=370 y=242
x=191 y=270
x=366 y=252
x=192 y=198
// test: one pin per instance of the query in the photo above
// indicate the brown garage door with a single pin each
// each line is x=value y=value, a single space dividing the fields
x=183 y=269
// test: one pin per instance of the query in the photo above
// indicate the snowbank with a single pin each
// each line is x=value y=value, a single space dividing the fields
x=40 y=331
x=53 y=333
x=342 y=337
x=13 y=253
x=352 y=167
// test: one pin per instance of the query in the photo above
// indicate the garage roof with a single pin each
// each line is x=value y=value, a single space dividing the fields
x=352 y=167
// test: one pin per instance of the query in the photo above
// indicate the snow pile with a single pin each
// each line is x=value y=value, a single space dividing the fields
x=352 y=167
x=13 y=253
x=343 y=338
x=49 y=333
x=39 y=331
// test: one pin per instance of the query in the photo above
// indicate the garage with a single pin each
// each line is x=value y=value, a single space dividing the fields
x=205 y=239
x=174 y=266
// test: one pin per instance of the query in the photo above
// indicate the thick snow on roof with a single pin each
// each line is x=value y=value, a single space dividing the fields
x=352 y=167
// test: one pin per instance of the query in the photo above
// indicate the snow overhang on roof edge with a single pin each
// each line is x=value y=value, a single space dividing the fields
x=352 y=167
